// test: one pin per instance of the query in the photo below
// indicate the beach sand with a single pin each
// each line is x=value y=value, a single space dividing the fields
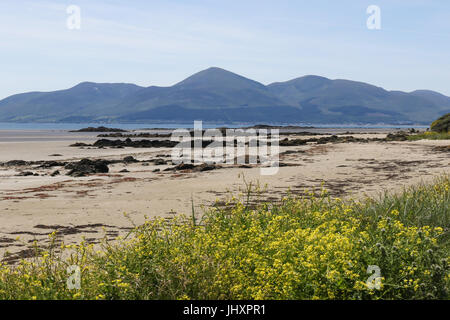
x=31 y=207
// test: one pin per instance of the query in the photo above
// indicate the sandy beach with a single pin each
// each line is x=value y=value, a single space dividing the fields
x=34 y=205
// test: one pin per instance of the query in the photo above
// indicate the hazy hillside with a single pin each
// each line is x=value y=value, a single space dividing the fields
x=219 y=95
x=350 y=99
x=85 y=100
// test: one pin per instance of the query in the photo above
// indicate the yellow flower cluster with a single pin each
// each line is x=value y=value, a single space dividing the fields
x=314 y=247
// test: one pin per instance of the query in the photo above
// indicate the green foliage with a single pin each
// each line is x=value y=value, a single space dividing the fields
x=313 y=247
x=430 y=135
x=442 y=124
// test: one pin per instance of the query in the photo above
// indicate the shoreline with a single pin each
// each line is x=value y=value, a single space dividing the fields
x=35 y=205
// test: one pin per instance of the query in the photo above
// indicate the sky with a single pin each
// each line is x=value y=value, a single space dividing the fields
x=160 y=43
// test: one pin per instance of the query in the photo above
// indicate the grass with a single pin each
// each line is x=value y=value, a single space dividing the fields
x=430 y=135
x=312 y=247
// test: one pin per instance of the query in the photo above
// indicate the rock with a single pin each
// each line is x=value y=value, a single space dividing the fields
x=25 y=174
x=16 y=163
x=79 y=144
x=159 y=162
x=156 y=170
x=135 y=144
x=294 y=142
x=398 y=136
x=99 y=129
x=129 y=159
x=51 y=164
x=124 y=171
x=184 y=166
x=189 y=166
x=86 y=166
x=205 y=167
x=55 y=173
x=325 y=140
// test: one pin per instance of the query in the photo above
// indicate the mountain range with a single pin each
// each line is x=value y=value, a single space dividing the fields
x=217 y=95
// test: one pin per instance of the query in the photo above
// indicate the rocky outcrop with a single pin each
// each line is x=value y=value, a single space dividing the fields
x=86 y=167
x=99 y=129
x=103 y=143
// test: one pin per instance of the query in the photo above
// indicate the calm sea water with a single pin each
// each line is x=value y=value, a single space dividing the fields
x=134 y=126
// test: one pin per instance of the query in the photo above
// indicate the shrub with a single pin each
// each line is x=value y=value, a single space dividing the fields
x=442 y=124
x=312 y=247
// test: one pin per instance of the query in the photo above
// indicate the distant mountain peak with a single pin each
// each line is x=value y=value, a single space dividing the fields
x=215 y=76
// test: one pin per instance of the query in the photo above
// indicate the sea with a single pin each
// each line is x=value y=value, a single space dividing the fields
x=13 y=126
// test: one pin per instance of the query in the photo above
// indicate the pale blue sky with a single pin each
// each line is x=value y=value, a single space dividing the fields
x=162 y=42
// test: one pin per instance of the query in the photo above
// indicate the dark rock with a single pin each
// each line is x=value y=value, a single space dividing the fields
x=129 y=159
x=79 y=144
x=135 y=144
x=184 y=166
x=25 y=174
x=55 y=173
x=159 y=162
x=124 y=171
x=399 y=136
x=86 y=166
x=189 y=166
x=205 y=167
x=16 y=163
x=51 y=164
x=99 y=129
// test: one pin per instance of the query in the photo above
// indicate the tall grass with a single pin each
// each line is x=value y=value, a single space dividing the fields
x=430 y=135
x=313 y=247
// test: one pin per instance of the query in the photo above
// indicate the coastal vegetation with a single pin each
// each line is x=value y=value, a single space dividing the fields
x=429 y=135
x=442 y=124
x=304 y=247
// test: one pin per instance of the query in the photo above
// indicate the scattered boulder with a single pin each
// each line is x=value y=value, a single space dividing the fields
x=51 y=164
x=398 y=136
x=294 y=142
x=129 y=159
x=159 y=162
x=55 y=173
x=80 y=144
x=103 y=143
x=189 y=166
x=25 y=174
x=86 y=166
x=19 y=163
x=205 y=167
x=184 y=166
